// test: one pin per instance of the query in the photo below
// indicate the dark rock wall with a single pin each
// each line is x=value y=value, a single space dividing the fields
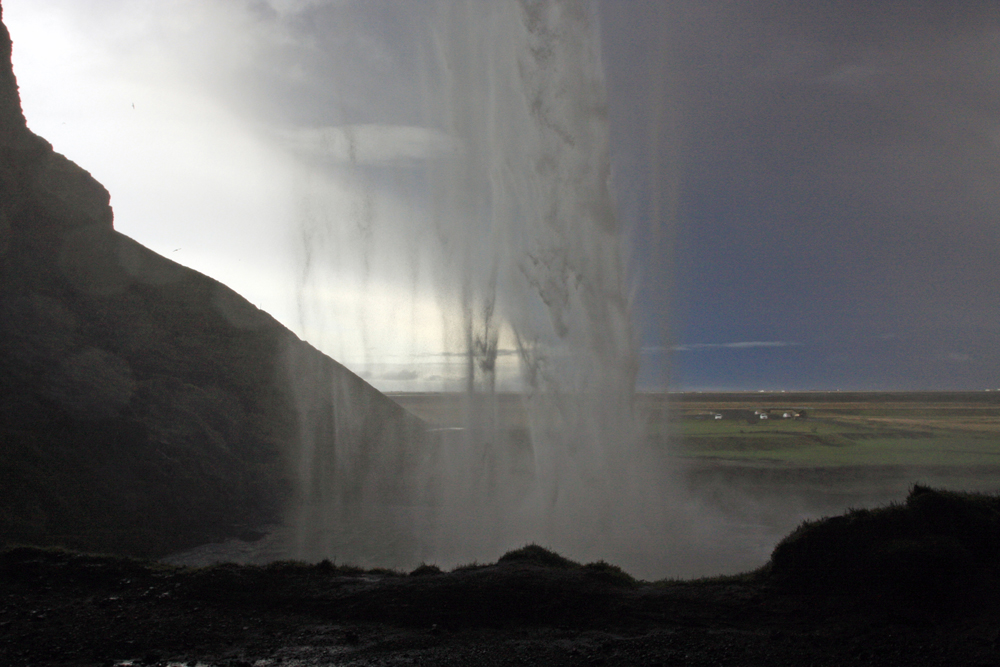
x=11 y=118
x=145 y=407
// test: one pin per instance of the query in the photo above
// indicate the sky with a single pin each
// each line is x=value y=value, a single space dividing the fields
x=808 y=192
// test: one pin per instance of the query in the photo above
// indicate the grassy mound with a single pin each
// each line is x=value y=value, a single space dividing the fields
x=532 y=553
x=542 y=557
x=937 y=547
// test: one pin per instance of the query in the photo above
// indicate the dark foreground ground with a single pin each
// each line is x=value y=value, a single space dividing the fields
x=909 y=584
x=60 y=609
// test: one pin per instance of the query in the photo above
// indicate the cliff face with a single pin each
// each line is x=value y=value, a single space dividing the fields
x=145 y=407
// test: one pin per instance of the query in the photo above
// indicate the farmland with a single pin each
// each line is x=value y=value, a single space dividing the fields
x=939 y=430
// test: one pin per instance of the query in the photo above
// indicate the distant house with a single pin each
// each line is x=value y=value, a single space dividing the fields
x=717 y=415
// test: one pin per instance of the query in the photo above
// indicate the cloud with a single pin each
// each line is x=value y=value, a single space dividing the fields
x=400 y=375
x=293 y=7
x=840 y=161
x=501 y=352
x=367 y=144
x=739 y=345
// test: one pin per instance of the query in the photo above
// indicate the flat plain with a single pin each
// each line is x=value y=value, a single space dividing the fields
x=959 y=429
x=811 y=429
x=815 y=454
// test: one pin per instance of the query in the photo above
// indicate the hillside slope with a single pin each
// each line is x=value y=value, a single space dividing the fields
x=145 y=407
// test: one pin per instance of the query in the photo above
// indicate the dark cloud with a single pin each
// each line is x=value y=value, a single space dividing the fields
x=838 y=172
x=819 y=172
x=738 y=345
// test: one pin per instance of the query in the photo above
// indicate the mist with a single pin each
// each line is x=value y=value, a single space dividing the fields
x=433 y=195
x=444 y=197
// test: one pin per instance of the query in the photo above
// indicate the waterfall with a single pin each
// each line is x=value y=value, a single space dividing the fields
x=510 y=228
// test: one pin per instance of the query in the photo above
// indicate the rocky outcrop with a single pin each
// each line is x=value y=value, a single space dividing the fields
x=145 y=407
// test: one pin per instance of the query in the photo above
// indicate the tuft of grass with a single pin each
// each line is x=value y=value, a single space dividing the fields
x=610 y=574
x=474 y=565
x=748 y=577
x=289 y=566
x=532 y=553
x=424 y=570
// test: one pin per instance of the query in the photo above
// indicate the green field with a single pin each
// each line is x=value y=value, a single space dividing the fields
x=833 y=441
x=960 y=430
